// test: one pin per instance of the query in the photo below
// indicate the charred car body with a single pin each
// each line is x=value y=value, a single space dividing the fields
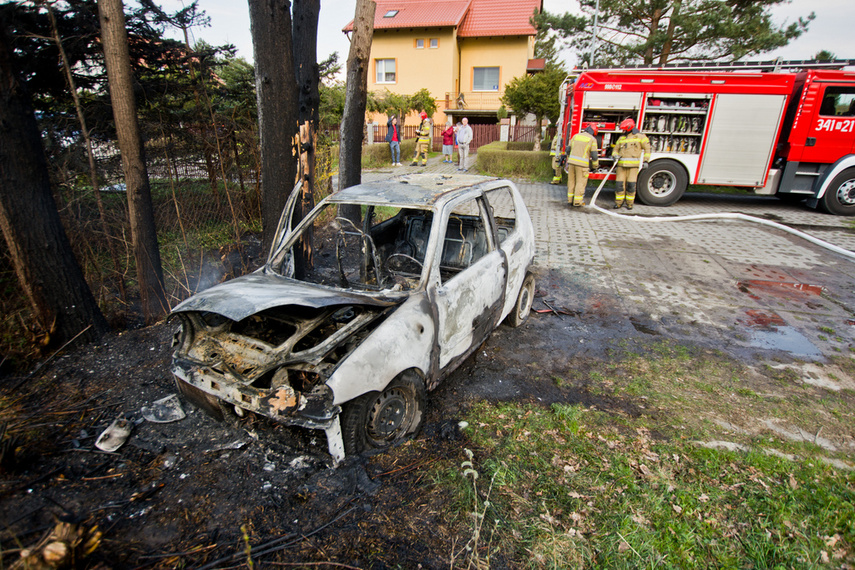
x=392 y=306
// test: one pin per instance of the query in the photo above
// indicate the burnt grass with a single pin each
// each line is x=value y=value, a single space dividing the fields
x=195 y=492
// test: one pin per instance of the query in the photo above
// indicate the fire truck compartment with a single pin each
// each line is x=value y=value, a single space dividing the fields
x=741 y=139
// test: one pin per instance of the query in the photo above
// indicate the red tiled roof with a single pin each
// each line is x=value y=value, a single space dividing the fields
x=473 y=18
x=418 y=14
x=537 y=64
x=499 y=18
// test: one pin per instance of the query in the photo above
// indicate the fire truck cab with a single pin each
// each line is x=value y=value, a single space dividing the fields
x=788 y=134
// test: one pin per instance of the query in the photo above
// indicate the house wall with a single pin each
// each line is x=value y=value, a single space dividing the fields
x=509 y=54
x=433 y=69
x=447 y=69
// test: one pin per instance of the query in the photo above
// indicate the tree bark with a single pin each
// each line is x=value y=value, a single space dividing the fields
x=356 y=94
x=90 y=154
x=669 y=34
x=44 y=262
x=114 y=38
x=275 y=82
x=308 y=115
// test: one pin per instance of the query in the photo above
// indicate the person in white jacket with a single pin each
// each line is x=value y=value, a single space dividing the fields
x=464 y=137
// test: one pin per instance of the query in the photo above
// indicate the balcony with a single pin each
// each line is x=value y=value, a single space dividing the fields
x=473 y=100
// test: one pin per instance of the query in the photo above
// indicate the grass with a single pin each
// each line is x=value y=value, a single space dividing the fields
x=572 y=489
x=576 y=487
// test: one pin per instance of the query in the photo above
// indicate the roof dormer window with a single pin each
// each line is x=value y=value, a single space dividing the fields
x=390 y=14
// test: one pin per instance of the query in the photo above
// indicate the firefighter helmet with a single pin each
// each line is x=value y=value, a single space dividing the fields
x=592 y=127
x=423 y=115
x=627 y=125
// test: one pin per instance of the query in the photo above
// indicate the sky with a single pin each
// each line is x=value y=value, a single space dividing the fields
x=831 y=30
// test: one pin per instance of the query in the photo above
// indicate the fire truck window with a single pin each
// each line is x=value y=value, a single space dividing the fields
x=838 y=101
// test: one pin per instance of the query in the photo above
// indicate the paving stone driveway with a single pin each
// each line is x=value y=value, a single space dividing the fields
x=750 y=289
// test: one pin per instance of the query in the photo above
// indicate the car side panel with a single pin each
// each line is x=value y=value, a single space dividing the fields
x=406 y=340
x=519 y=249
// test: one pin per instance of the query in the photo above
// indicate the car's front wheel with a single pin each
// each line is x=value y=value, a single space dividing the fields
x=379 y=420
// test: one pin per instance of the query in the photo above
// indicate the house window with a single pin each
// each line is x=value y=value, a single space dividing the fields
x=390 y=14
x=420 y=43
x=385 y=70
x=434 y=43
x=485 y=79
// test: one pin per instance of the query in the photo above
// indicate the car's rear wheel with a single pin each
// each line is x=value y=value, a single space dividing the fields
x=379 y=420
x=525 y=299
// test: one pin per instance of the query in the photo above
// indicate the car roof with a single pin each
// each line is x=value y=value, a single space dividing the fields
x=414 y=190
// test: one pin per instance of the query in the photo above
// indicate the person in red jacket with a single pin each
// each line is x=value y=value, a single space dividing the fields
x=447 y=142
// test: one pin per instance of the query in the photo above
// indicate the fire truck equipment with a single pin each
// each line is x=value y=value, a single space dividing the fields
x=755 y=126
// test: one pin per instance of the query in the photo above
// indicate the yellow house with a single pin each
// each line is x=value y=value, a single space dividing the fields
x=463 y=52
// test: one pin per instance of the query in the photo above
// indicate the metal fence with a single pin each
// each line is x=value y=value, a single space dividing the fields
x=208 y=218
x=481 y=135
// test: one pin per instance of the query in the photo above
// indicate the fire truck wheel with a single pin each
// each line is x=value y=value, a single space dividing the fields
x=662 y=183
x=839 y=197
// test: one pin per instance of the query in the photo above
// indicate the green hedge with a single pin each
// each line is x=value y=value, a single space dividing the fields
x=378 y=155
x=506 y=160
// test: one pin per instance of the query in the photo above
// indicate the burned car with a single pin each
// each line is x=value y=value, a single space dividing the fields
x=392 y=304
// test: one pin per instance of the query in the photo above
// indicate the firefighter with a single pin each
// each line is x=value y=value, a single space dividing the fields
x=422 y=140
x=556 y=159
x=632 y=153
x=580 y=152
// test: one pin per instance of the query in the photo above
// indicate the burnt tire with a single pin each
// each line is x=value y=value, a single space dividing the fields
x=525 y=299
x=378 y=420
x=839 y=197
x=662 y=183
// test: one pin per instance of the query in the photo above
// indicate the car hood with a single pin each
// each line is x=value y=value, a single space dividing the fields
x=250 y=294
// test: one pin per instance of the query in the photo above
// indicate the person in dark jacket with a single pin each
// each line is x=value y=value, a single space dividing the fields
x=393 y=137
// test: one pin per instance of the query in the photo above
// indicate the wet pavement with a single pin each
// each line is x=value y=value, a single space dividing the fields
x=751 y=290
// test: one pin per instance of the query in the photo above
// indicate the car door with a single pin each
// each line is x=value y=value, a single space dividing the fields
x=283 y=232
x=469 y=298
x=831 y=130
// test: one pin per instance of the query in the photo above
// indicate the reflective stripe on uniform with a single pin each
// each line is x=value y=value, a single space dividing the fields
x=630 y=148
x=423 y=132
x=582 y=148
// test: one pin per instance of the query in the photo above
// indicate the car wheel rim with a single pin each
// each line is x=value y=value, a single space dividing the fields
x=662 y=183
x=846 y=193
x=525 y=302
x=388 y=416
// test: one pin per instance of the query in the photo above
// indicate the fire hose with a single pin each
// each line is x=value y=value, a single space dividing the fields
x=721 y=216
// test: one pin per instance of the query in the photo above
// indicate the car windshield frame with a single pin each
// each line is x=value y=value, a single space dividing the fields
x=280 y=260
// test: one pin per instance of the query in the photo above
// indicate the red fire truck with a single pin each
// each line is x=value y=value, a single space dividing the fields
x=785 y=133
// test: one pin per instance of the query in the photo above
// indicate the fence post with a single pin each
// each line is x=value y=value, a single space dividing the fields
x=370 y=134
x=504 y=130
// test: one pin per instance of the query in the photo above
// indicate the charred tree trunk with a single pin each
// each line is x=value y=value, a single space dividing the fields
x=140 y=211
x=277 y=107
x=308 y=115
x=44 y=262
x=356 y=97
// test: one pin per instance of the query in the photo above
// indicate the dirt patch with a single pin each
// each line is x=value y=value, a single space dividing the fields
x=195 y=492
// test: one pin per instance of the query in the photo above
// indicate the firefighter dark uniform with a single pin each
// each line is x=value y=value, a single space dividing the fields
x=422 y=141
x=581 y=151
x=632 y=152
x=556 y=159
